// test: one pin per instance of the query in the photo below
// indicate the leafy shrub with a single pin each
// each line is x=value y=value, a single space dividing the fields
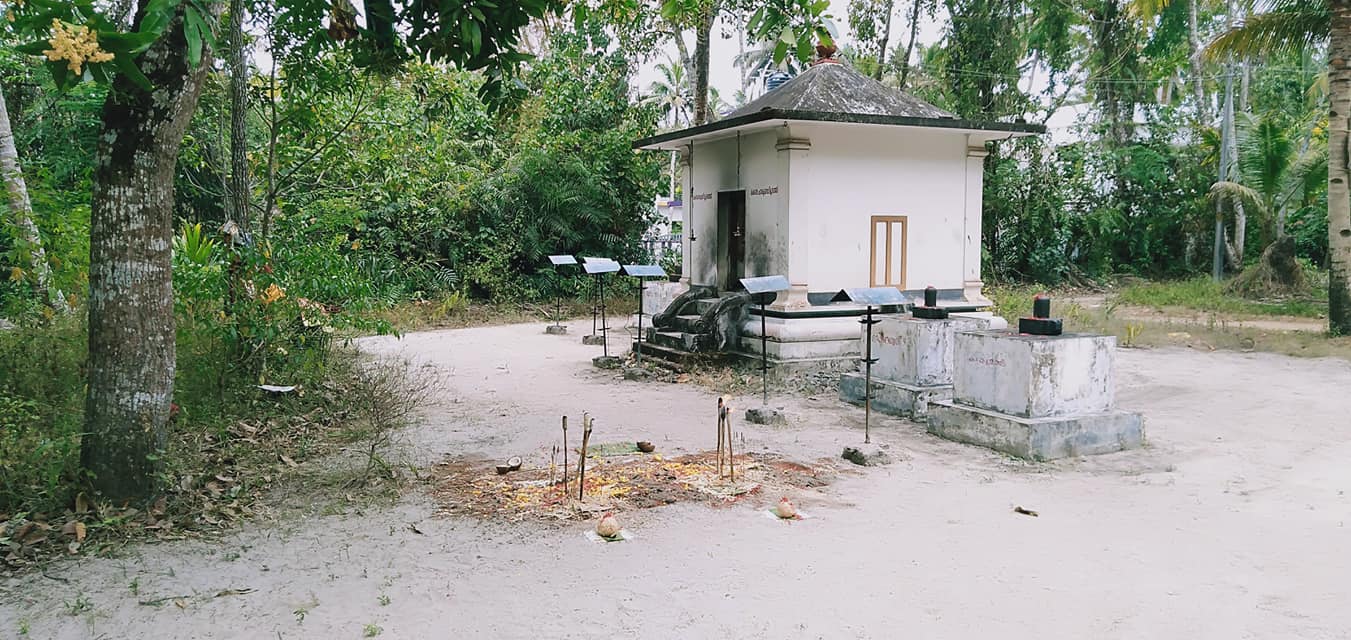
x=41 y=414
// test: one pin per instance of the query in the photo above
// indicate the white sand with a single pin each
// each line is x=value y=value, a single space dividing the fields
x=1230 y=525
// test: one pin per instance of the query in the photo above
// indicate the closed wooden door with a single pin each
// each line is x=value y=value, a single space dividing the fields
x=888 y=251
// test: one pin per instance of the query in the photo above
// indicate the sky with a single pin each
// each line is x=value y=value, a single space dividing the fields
x=722 y=52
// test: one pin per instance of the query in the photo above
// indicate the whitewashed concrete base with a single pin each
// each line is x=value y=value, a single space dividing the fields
x=894 y=398
x=1038 y=438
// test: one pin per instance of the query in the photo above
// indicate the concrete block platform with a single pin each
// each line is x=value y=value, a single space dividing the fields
x=894 y=398
x=1038 y=439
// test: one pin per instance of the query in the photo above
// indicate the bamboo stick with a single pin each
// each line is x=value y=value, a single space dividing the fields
x=581 y=472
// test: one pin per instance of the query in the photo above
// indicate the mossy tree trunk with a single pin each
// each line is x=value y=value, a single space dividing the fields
x=131 y=312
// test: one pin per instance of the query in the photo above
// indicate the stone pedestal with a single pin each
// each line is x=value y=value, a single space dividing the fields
x=1035 y=397
x=914 y=364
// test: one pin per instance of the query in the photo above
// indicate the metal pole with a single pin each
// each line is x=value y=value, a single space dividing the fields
x=558 y=296
x=604 y=336
x=764 y=357
x=868 y=377
x=638 y=347
x=594 y=307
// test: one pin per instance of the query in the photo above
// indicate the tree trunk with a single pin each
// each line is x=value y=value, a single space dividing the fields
x=886 y=37
x=131 y=311
x=1339 y=199
x=910 y=43
x=702 y=34
x=21 y=212
x=683 y=51
x=239 y=192
x=1198 y=81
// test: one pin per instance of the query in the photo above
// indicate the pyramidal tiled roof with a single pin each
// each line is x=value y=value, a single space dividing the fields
x=832 y=87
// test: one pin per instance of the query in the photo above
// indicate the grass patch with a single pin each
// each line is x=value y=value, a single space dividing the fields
x=1204 y=294
x=232 y=449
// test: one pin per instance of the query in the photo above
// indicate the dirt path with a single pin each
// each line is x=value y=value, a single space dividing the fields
x=1231 y=525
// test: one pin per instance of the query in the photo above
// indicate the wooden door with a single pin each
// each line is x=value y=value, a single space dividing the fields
x=732 y=229
x=887 y=266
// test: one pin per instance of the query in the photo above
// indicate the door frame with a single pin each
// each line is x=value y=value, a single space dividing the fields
x=727 y=207
x=872 y=249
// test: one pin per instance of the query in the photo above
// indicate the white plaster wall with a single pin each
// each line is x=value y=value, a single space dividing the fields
x=716 y=170
x=915 y=351
x=861 y=171
x=1034 y=377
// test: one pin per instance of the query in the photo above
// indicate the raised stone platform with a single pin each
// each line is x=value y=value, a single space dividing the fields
x=894 y=398
x=1035 y=397
x=914 y=364
x=1037 y=438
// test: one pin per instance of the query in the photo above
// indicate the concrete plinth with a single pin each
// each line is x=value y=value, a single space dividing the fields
x=893 y=398
x=915 y=351
x=914 y=364
x=593 y=340
x=556 y=330
x=1034 y=376
x=1035 y=397
x=1038 y=438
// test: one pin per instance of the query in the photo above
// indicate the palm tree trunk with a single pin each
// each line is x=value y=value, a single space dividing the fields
x=1198 y=82
x=131 y=306
x=21 y=212
x=702 y=35
x=1339 y=198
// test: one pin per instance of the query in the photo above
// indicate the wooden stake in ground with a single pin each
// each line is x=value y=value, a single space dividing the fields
x=581 y=465
x=553 y=464
x=565 y=455
x=727 y=423
x=720 y=421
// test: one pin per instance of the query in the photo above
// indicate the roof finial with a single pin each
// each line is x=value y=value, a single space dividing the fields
x=825 y=52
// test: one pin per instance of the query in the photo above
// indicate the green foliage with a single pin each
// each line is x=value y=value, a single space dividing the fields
x=41 y=409
x=794 y=26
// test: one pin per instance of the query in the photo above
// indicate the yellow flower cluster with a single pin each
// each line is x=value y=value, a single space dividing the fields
x=75 y=44
x=272 y=294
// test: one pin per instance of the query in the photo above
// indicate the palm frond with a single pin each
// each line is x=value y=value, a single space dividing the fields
x=1285 y=25
x=1226 y=193
x=1308 y=175
x=1265 y=151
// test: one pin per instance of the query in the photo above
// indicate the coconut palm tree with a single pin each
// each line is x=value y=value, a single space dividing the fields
x=1293 y=25
x=671 y=93
x=758 y=61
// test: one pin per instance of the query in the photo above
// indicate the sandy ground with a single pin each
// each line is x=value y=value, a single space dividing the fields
x=1230 y=525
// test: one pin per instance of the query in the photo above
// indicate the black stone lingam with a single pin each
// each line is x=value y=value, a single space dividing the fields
x=930 y=309
x=1041 y=323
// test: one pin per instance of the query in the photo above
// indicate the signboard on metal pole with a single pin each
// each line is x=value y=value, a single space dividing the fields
x=559 y=262
x=598 y=267
x=764 y=288
x=870 y=297
x=642 y=271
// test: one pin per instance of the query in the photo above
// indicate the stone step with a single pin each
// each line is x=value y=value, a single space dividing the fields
x=668 y=339
x=678 y=359
x=686 y=323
